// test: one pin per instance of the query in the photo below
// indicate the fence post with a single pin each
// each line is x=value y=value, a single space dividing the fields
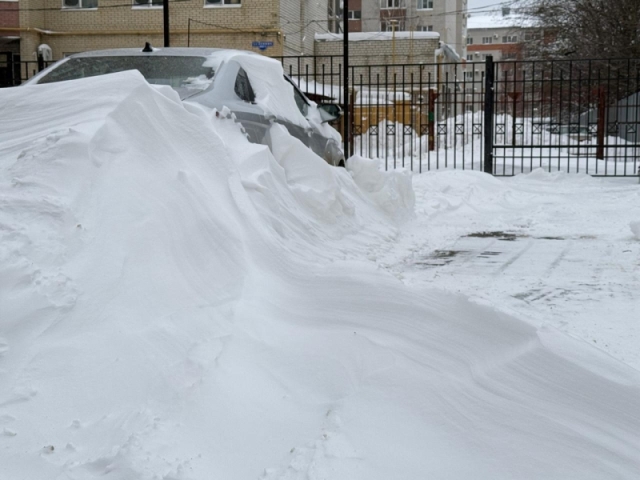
x=488 y=114
x=40 y=62
x=345 y=79
x=602 y=118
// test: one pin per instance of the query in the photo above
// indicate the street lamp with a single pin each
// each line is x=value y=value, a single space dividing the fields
x=345 y=77
x=165 y=15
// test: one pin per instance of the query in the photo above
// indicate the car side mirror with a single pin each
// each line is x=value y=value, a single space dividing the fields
x=329 y=111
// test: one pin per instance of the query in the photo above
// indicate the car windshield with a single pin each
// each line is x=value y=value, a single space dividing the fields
x=175 y=71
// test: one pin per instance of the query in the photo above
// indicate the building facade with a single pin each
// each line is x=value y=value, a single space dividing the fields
x=9 y=40
x=445 y=17
x=500 y=34
x=272 y=27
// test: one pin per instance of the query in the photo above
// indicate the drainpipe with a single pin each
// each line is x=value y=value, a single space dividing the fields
x=393 y=41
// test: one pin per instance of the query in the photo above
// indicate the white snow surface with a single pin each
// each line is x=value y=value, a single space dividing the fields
x=177 y=303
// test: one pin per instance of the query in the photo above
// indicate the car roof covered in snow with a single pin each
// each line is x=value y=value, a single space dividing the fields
x=172 y=51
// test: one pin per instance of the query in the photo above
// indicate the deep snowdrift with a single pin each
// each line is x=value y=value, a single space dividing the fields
x=176 y=303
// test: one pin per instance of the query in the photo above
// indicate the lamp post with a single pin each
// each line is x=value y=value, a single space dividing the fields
x=345 y=77
x=165 y=21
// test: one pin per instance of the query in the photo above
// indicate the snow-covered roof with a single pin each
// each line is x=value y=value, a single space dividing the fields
x=362 y=36
x=497 y=20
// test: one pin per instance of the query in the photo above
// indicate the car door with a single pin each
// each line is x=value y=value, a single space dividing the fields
x=304 y=134
x=255 y=123
x=314 y=139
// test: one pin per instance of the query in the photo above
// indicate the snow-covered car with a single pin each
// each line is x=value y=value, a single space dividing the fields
x=252 y=87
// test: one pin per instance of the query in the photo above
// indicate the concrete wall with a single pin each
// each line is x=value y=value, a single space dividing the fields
x=378 y=54
x=447 y=17
x=300 y=20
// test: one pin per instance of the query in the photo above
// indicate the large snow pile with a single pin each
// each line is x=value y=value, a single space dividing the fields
x=178 y=304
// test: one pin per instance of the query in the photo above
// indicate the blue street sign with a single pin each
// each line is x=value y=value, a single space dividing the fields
x=262 y=45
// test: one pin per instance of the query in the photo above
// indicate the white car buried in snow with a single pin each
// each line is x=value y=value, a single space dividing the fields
x=253 y=87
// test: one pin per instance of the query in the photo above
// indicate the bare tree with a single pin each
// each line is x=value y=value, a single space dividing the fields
x=584 y=28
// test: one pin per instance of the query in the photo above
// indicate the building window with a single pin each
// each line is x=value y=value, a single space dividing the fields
x=221 y=3
x=486 y=40
x=510 y=39
x=469 y=40
x=425 y=4
x=80 y=4
x=147 y=3
x=302 y=104
x=390 y=3
x=424 y=28
x=243 y=87
x=470 y=57
x=388 y=26
x=510 y=56
x=354 y=15
x=468 y=75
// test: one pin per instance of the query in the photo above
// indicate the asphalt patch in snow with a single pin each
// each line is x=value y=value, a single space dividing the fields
x=504 y=236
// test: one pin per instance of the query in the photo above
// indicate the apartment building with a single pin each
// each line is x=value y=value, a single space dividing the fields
x=499 y=34
x=445 y=17
x=271 y=27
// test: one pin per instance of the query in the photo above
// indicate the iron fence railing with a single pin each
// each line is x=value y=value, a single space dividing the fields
x=567 y=115
x=14 y=72
x=502 y=117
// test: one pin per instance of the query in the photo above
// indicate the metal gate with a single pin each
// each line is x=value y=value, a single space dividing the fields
x=576 y=116
x=504 y=118
x=8 y=74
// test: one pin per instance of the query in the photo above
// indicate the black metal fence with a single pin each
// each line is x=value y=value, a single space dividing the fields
x=509 y=117
x=13 y=72
x=570 y=115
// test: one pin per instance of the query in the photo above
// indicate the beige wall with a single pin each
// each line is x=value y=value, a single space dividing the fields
x=112 y=25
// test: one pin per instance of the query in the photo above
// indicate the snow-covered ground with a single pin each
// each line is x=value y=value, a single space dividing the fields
x=556 y=249
x=179 y=304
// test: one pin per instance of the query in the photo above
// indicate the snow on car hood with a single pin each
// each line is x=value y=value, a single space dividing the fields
x=178 y=303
